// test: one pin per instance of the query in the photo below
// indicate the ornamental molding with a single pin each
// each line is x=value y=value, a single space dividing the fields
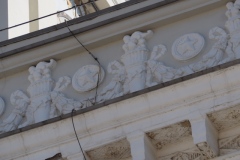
x=229 y=145
x=190 y=154
x=171 y=134
x=206 y=150
x=187 y=46
x=226 y=118
x=116 y=150
x=138 y=68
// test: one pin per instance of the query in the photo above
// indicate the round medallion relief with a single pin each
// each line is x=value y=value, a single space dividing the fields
x=187 y=46
x=2 y=106
x=86 y=78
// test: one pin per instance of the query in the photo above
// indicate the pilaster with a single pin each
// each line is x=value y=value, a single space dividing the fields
x=205 y=136
x=141 y=147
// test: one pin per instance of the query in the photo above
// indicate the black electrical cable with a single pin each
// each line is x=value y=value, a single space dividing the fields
x=95 y=98
x=76 y=134
x=95 y=58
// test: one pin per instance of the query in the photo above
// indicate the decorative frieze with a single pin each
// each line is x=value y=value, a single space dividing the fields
x=117 y=150
x=206 y=150
x=190 y=154
x=171 y=134
x=229 y=145
x=46 y=101
x=137 y=69
x=227 y=118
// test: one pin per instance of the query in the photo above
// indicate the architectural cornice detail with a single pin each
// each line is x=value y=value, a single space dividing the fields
x=169 y=135
x=206 y=150
x=229 y=145
x=190 y=154
x=226 y=119
x=116 y=150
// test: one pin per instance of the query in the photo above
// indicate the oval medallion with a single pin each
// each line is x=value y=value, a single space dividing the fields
x=187 y=46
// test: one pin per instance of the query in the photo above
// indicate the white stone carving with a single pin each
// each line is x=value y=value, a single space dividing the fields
x=61 y=104
x=187 y=46
x=206 y=150
x=45 y=101
x=229 y=145
x=190 y=154
x=118 y=86
x=2 y=106
x=116 y=150
x=215 y=55
x=136 y=54
x=138 y=69
x=20 y=101
x=233 y=25
x=87 y=78
x=158 y=71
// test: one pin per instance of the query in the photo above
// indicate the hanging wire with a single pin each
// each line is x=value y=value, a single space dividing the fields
x=98 y=80
x=76 y=134
x=95 y=58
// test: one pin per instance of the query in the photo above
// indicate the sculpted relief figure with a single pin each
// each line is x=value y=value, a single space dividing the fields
x=20 y=102
x=61 y=104
x=46 y=101
x=215 y=55
x=136 y=54
x=87 y=78
x=39 y=90
x=118 y=85
x=233 y=25
x=157 y=69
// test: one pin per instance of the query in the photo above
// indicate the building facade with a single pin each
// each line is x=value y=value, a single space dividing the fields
x=141 y=80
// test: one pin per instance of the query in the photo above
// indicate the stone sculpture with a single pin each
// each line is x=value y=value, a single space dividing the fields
x=87 y=78
x=45 y=101
x=20 y=102
x=139 y=69
x=158 y=71
x=118 y=86
x=136 y=54
x=216 y=54
x=233 y=25
x=187 y=46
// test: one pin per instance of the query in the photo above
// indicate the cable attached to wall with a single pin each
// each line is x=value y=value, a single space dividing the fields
x=76 y=134
x=95 y=58
x=98 y=80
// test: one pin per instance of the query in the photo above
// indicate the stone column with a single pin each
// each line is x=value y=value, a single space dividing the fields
x=205 y=136
x=141 y=147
